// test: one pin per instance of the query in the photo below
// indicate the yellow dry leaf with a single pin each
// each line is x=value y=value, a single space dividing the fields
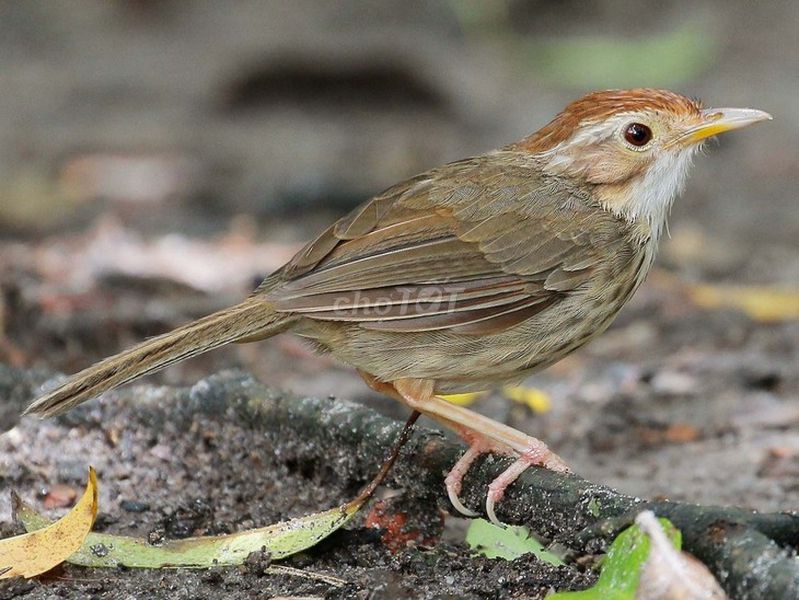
x=537 y=400
x=34 y=553
x=279 y=540
x=762 y=303
x=464 y=399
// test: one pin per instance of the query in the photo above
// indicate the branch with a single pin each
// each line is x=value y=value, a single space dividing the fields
x=749 y=552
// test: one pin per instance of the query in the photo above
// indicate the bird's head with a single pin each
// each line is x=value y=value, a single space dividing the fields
x=632 y=147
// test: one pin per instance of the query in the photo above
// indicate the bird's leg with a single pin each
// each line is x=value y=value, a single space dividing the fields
x=477 y=445
x=537 y=453
x=481 y=433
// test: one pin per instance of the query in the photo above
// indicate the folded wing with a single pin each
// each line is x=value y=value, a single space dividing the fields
x=464 y=248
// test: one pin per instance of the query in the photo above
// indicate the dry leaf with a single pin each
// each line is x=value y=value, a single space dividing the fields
x=766 y=304
x=34 y=553
x=60 y=496
x=464 y=399
x=644 y=562
x=669 y=574
x=536 y=400
x=279 y=540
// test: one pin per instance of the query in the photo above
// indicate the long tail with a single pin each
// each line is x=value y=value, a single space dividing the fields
x=253 y=318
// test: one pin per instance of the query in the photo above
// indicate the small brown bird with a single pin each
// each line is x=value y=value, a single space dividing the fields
x=474 y=273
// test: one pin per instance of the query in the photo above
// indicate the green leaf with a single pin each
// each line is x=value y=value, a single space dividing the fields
x=279 y=540
x=621 y=569
x=508 y=542
x=664 y=60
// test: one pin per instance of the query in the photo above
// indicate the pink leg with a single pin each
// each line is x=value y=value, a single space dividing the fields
x=537 y=453
x=483 y=435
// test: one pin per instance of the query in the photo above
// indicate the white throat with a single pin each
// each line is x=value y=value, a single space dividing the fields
x=657 y=188
x=646 y=196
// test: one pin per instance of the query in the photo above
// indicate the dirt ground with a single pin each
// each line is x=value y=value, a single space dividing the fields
x=679 y=399
x=706 y=415
x=233 y=477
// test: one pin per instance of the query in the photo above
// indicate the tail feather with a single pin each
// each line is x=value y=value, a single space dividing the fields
x=250 y=319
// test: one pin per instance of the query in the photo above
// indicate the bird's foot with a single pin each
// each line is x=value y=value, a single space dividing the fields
x=537 y=453
x=481 y=433
x=454 y=481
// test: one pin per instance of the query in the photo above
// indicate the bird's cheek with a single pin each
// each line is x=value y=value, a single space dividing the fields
x=613 y=167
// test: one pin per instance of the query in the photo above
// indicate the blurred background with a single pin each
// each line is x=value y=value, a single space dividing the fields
x=158 y=158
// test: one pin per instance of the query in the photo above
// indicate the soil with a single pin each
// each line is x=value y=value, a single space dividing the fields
x=174 y=471
x=676 y=399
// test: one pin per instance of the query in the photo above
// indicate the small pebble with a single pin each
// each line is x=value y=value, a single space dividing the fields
x=134 y=506
x=60 y=496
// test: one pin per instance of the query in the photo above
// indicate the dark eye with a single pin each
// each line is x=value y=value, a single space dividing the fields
x=637 y=134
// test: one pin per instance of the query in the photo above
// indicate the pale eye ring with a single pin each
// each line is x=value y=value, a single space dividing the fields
x=637 y=134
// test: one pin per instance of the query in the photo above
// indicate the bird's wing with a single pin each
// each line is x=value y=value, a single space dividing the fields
x=475 y=247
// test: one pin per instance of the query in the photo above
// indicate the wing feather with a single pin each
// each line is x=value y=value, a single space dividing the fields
x=458 y=248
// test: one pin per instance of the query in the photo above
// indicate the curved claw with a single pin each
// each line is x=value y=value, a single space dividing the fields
x=456 y=502
x=496 y=489
x=454 y=479
x=492 y=516
x=536 y=453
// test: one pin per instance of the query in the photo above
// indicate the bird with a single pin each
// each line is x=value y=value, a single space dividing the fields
x=472 y=274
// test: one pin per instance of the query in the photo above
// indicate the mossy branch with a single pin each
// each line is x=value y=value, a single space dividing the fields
x=752 y=554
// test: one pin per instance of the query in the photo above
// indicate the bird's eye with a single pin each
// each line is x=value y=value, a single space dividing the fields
x=637 y=134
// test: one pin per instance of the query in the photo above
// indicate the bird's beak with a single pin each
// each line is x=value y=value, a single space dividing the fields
x=718 y=120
